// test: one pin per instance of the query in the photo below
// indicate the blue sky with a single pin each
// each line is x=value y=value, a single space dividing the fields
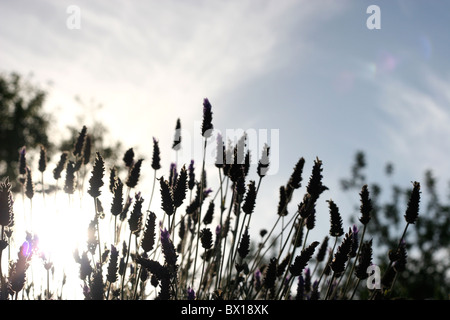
x=310 y=69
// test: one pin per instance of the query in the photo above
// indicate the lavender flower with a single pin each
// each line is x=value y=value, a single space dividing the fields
x=113 y=265
x=191 y=182
x=190 y=294
x=336 y=229
x=168 y=249
x=42 y=159
x=61 y=165
x=96 y=181
x=263 y=163
x=412 y=210
x=135 y=172
x=366 y=205
x=148 y=240
x=22 y=161
x=79 y=144
x=6 y=205
x=29 y=189
x=156 y=159
x=207 y=125
x=128 y=158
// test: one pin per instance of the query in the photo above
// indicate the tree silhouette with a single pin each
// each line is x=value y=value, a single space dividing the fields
x=23 y=121
x=426 y=275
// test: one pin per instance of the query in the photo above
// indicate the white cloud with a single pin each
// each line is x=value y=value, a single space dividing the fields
x=417 y=128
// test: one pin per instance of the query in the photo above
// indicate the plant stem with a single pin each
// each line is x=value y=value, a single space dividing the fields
x=125 y=268
x=199 y=212
x=354 y=262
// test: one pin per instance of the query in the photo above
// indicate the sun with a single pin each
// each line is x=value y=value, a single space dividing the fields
x=55 y=227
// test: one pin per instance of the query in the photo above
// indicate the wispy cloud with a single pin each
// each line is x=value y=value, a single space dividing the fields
x=417 y=127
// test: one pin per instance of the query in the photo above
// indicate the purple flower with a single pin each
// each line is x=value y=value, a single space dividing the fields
x=207 y=125
x=190 y=294
x=207 y=192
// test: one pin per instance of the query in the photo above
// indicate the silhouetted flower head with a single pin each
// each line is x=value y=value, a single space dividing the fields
x=257 y=279
x=23 y=161
x=112 y=178
x=191 y=182
x=168 y=249
x=412 y=210
x=69 y=184
x=270 y=274
x=355 y=242
x=207 y=219
x=96 y=180
x=206 y=238
x=180 y=188
x=29 y=189
x=190 y=294
x=302 y=260
x=113 y=265
x=79 y=144
x=166 y=197
x=6 y=204
x=250 y=198
x=148 y=240
x=315 y=186
x=311 y=219
x=244 y=245
x=126 y=207
x=96 y=285
x=296 y=176
x=366 y=205
x=42 y=159
x=61 y=165
x=400 y=264
x=134 y=175
x=263 y=163
x=342 y=254
x=282 y=204
x=173 y=174
x=300 y=288
x=336 y=229
x=128 y=158
x=135 y=220
x=156 y=158
x=364 y=260
x=207 y=125
x=117 y=203
x=87 y=150
x=17 y=270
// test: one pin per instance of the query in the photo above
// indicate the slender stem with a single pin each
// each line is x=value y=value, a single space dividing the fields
x=137 y=283
x=330 y=285
x=43 y=189
x=299 y=231
x=98 y=231
x=48 y=284
x=199 y=212
x=125 y=268
x=2 y=279
x=225 y=240
x=354 y=262
x=354 y=290
x=329 y=259
x=109 y=289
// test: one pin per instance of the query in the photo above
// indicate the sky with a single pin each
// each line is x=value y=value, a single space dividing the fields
x=309 y=73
